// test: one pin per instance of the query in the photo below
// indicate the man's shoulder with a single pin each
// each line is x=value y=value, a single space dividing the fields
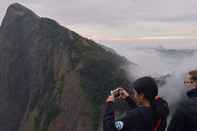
x=133 y=112
x=140 y=112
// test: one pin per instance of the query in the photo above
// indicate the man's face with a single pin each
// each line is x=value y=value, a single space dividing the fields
x=190 y=84
x=138 y=98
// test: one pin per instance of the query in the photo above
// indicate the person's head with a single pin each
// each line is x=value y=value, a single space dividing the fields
x=146 y=90
x=191 y=80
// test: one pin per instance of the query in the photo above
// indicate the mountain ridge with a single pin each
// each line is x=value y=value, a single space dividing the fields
x=48 y=70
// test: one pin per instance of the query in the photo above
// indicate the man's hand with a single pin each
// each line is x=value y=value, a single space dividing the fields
x=110 y=99
x=123 y=94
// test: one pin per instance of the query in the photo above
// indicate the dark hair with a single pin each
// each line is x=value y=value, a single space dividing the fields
x=149 y=88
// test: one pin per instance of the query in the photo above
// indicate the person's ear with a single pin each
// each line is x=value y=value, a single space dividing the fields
x=141 y=96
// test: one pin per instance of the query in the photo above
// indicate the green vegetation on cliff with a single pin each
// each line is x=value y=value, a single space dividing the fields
x=58 y=79
x=100 y=72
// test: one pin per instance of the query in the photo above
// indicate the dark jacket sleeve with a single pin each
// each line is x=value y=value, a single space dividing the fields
x=123 y=124
x=109 y=117
x=177 y=121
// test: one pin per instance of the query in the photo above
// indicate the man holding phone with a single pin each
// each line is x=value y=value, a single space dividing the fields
x=146 y=114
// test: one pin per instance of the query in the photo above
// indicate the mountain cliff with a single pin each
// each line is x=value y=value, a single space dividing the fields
x=51 y=78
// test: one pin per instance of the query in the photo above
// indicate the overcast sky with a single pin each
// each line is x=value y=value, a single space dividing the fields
x=119 y=20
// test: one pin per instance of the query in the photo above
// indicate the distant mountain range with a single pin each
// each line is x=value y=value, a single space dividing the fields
x=176 y=52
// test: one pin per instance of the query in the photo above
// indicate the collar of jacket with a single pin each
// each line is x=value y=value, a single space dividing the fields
x=192 y=93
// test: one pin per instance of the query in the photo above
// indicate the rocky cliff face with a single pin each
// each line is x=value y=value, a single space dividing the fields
x=51 y=78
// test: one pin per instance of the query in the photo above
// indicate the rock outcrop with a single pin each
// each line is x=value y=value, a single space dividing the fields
x=51 y=78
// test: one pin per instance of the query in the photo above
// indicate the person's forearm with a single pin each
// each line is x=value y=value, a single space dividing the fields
x=109 y=117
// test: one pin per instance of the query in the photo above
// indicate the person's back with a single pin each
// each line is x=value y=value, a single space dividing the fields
x=137 y=119
x=151 y=115
x=185 y=116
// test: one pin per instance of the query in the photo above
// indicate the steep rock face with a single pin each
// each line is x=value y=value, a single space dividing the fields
x=51 y=78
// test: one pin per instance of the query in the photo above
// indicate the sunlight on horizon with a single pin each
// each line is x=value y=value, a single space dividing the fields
x=137 y=32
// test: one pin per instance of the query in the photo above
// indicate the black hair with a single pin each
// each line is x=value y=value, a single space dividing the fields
x=147 y=86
